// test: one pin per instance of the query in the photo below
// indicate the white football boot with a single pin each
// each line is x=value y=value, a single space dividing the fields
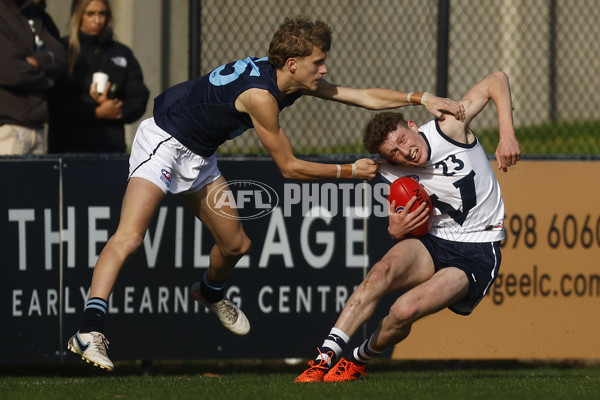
x=228 y=313
x=92 y=348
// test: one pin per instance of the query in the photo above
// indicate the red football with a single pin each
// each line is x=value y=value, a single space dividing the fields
x=402 y=190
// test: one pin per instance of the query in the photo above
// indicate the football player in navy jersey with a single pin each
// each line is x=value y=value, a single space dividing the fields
x=454 y=264
x=174 y=151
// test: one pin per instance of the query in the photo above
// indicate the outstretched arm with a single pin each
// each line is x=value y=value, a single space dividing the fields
x=262 y=108
x=383 y=99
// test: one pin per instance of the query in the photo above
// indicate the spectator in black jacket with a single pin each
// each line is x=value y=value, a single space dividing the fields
x=32 y=60
x=81 y=119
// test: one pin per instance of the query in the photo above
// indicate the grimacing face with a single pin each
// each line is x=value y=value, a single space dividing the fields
x=405 y=146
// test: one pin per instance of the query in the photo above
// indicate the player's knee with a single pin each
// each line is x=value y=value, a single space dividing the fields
x=378 y=275
x=127 y=243
x=235 y=249
x=404 y=314
x=244 y=248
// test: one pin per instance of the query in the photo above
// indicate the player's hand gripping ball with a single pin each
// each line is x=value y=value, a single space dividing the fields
x=402 y=190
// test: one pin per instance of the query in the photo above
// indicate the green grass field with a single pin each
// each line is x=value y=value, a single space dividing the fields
x=271 y=380
x=565 y=139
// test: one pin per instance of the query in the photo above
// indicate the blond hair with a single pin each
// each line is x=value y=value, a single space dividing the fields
x=297 y=37
x=77 y=9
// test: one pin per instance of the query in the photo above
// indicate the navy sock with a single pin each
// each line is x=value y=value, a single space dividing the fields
x=364 y=353
x=212 y=291
x=93 y=315
x=335 y=343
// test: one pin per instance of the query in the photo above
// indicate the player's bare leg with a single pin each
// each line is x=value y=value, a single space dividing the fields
x=231 y=243
x=404 y=266
x=139 y=205
x=445 y=288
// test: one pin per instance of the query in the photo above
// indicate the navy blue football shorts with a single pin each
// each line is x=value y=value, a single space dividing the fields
x=479 y=261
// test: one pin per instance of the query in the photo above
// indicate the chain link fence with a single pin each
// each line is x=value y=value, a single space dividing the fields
x=549 y=48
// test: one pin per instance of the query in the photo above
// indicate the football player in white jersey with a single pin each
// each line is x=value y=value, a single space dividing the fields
x=453 y=265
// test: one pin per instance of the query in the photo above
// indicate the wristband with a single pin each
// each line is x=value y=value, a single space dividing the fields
x=424 y=97
x=353 y=170
x=339 y=171
x=410 y=103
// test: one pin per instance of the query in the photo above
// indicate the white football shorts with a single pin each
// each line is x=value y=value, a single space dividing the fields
x=158 y=157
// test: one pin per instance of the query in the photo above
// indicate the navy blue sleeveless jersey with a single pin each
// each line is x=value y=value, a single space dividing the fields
x=201 y=114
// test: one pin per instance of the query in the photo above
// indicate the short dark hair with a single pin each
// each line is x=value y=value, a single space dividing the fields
x=297 y=37
x=379 y=127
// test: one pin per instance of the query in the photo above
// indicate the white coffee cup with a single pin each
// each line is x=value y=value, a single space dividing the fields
x=100 y=79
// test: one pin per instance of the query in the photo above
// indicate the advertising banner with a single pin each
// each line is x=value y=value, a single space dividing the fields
x=31 y=284
x=309 y=250
x=312 y=243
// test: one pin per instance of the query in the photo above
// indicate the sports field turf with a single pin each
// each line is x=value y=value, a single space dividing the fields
x=219 y=380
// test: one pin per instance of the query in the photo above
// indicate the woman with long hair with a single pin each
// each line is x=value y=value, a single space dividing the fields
x=85 y=118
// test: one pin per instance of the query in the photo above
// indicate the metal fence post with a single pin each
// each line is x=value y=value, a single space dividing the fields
x=195 y=64
x=442 y=50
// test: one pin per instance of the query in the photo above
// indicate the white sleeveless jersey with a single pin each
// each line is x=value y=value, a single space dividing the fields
x=464 y=191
